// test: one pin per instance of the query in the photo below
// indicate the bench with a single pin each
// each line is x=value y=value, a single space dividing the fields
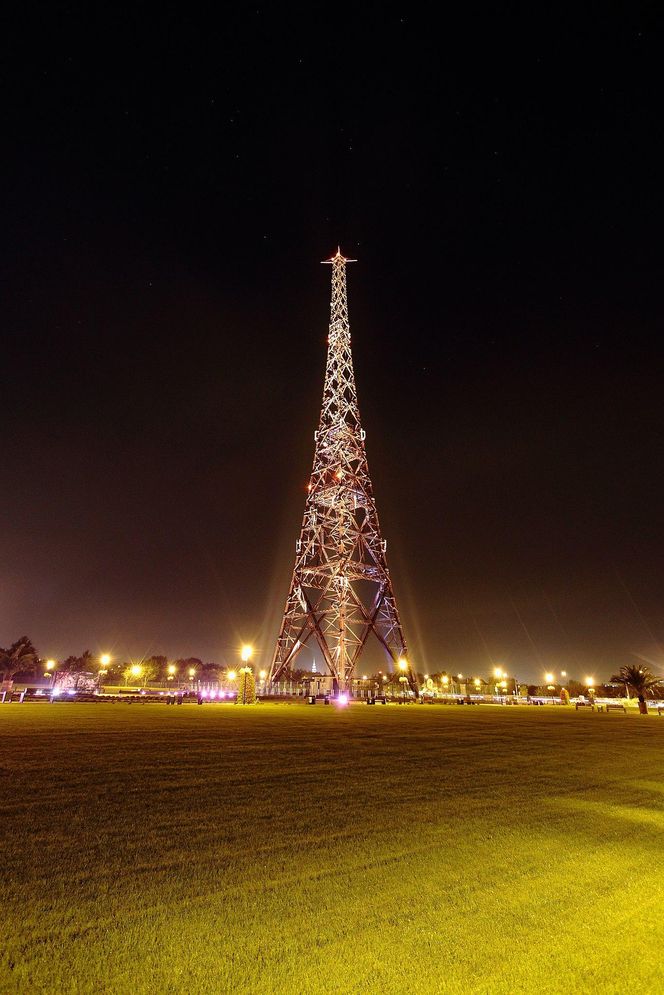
x=616 y=705
x=584 y=704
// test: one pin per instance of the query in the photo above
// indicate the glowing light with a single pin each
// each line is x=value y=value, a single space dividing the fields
x=497 y=672
x=263 y=674
x=563 y=673
x=55 y=692
x=172 y=669
x=105 y=659
x=231 y=675
x=71 y=691
x=136 y=670
x=247 y=653
x=477 y=682
x=342 y=699
x=403 y=664
x=446 y=681
x=503 y=684
x=548 y=678
x=589 y=682
x=460 y=676
x=50 y=664
x=426 y=677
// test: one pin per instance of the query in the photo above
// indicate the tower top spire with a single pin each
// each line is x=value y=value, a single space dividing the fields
x=338 y=258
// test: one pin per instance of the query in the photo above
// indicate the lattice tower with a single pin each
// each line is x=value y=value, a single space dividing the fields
x=341 y=592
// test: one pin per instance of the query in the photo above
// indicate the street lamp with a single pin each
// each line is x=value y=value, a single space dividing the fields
x=172 y=671
x=136 y=670
x=104 y=662
x=246 y=653
x=50 y=669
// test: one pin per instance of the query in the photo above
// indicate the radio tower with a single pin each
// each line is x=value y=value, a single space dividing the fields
x=341 y=590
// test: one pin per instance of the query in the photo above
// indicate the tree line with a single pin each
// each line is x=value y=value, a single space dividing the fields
x=21 y=658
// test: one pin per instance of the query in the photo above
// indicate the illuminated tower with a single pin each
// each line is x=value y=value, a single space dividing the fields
x=341 y=591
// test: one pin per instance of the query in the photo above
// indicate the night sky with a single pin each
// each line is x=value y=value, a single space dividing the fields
x=171 y=182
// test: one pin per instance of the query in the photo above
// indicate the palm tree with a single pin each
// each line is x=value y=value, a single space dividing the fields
x=20 y=656
x=641 y=681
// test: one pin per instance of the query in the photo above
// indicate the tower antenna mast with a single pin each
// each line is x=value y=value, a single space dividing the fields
x=341 y=591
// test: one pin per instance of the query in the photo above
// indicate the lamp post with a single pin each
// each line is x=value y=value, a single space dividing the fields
x=403 y=680
x=50 y=671
x=136 y=670
x=104 y=663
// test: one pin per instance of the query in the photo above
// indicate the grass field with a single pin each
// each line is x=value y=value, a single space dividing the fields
x=283 y=848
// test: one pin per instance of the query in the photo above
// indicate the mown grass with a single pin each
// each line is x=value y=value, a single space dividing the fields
x=283 y=848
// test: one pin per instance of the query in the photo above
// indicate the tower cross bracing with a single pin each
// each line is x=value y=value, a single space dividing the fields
x=341 y=591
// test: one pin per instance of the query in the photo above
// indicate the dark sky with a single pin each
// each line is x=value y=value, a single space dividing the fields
x=170 y=182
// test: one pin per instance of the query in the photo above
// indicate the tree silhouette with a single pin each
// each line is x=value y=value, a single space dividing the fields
x=641 y=681
x=20 y=656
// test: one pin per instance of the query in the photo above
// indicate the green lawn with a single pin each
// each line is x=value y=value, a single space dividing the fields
x=284 y=848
